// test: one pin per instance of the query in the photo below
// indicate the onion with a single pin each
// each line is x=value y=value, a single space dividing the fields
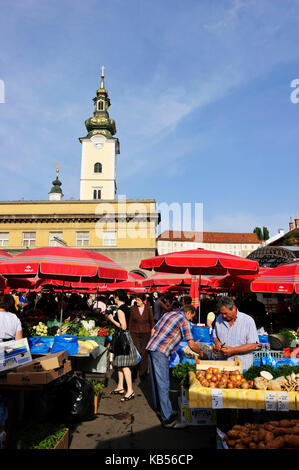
x=209 y=376
x=214 y=378
x=213 y=385
x=244 y=385
x=230 y=385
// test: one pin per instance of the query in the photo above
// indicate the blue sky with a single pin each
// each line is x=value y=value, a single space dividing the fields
x=200 y=92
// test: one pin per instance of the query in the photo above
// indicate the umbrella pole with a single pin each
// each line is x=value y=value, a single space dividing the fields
x=61 y=308
x=199 y=298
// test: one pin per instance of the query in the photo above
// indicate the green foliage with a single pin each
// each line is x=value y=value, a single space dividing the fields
x=265 y=233
x=39 y=436
x=181 y=372
x=262 y=234
x=291 y=335
x=97 y=386
x=258 y=231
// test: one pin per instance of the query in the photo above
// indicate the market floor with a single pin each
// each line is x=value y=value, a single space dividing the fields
x=134 y=425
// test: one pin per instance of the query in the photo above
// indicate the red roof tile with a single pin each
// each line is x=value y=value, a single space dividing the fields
x=209 y=237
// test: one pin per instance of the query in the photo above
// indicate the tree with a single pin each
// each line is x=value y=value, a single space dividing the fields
x=259 y=233
x=265 y=233
x=262 y=235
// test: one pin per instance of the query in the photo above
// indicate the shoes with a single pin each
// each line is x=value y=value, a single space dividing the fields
x=171 y=422
x=130 y=397
x=117 y=392
x=158 y=413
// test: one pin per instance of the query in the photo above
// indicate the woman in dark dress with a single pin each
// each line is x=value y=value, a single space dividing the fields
x=140 y=326
x=123 y=363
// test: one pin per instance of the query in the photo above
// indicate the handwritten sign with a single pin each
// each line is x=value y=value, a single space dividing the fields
x=283 y=401
x=217 y=399
x=271 y=401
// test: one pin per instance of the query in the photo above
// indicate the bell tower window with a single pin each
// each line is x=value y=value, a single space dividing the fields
x=97 y=168
x=101 y=106
x=97 y=194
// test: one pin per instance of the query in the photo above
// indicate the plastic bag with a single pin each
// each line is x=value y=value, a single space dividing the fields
x=201 y=333
x=78 y=400
x=39 y=345
x=66 y=343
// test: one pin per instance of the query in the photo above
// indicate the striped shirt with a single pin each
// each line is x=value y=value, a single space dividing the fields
x=242 y=331
x=169 y=331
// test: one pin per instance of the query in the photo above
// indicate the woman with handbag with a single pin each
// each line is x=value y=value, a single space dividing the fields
x=140 y=327
x=123 y=362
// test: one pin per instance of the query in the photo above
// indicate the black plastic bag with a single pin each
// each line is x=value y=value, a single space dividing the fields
x=47 y=404
x=77 y=399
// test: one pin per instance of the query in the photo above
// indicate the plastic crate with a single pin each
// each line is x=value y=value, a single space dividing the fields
x=259 y=354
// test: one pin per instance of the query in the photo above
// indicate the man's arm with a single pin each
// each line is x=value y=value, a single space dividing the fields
x=192 y=345
x=244 y=348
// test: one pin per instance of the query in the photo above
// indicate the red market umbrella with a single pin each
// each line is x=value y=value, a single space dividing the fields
x=195 y=291
x=162 y=279
x=63 y=263
x=283 y=279
x=200 y=262
x=67 y=264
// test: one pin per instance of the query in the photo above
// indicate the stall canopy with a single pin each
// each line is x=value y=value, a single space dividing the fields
x=283 y=279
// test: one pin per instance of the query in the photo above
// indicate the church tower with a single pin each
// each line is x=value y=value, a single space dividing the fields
x=99 y=151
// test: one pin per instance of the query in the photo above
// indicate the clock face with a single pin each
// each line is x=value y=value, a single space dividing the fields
x=98 y=140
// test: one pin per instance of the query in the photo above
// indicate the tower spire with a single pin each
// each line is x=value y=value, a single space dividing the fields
x=101 y=123
x=56 y=191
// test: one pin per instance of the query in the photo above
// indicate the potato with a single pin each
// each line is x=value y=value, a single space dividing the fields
x=280 y=431
x=285 y=423
x=277 y=443
x=261 y=434
x=246 y=440
x=261 y=445
x=269 y=436
x=269 y=427
x=252 y=445
x=291 y=441
x=240 y=446
x=233 y=434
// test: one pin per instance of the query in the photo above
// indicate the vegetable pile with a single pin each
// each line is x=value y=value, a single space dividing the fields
x=271 y=435
x=217 y=378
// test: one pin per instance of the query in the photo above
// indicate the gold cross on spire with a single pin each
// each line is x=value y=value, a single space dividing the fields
x=103 y=69
x=57 y=168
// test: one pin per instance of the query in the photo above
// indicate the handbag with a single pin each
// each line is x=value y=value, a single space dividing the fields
x=120 y=345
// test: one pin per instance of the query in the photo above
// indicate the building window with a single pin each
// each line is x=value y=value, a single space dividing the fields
x=82 y=238
x=97 y=168
x=54 y=238
x=109 y=238
x=29 y=239
x=97 y=194
x=4 y=236
x=100 y=105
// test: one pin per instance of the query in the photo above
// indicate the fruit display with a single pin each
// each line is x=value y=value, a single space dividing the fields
x=283 y=434
x=215 y=377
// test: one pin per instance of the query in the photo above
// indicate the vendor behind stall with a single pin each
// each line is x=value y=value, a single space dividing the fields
x=10 y=325
x=235 y=333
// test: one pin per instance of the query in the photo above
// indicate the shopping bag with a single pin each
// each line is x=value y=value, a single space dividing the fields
x=68 y=343
x=120 y=345
x=39 y=345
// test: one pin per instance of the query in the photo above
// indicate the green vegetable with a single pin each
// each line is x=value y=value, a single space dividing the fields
x=282 y=371
x=97 y=386
x=181 y=372
x=39 y=436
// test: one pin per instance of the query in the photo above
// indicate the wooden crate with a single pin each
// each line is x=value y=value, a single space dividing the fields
x=63 y=442
x=236 y=364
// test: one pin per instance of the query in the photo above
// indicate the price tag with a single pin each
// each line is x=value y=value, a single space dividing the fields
x=217 y=400
x=271 y=402
x=283 y=401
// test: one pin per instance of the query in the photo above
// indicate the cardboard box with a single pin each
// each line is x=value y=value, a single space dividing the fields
x=48 y=362
x=14 y=354
x=37 y=378
x=197 y=416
